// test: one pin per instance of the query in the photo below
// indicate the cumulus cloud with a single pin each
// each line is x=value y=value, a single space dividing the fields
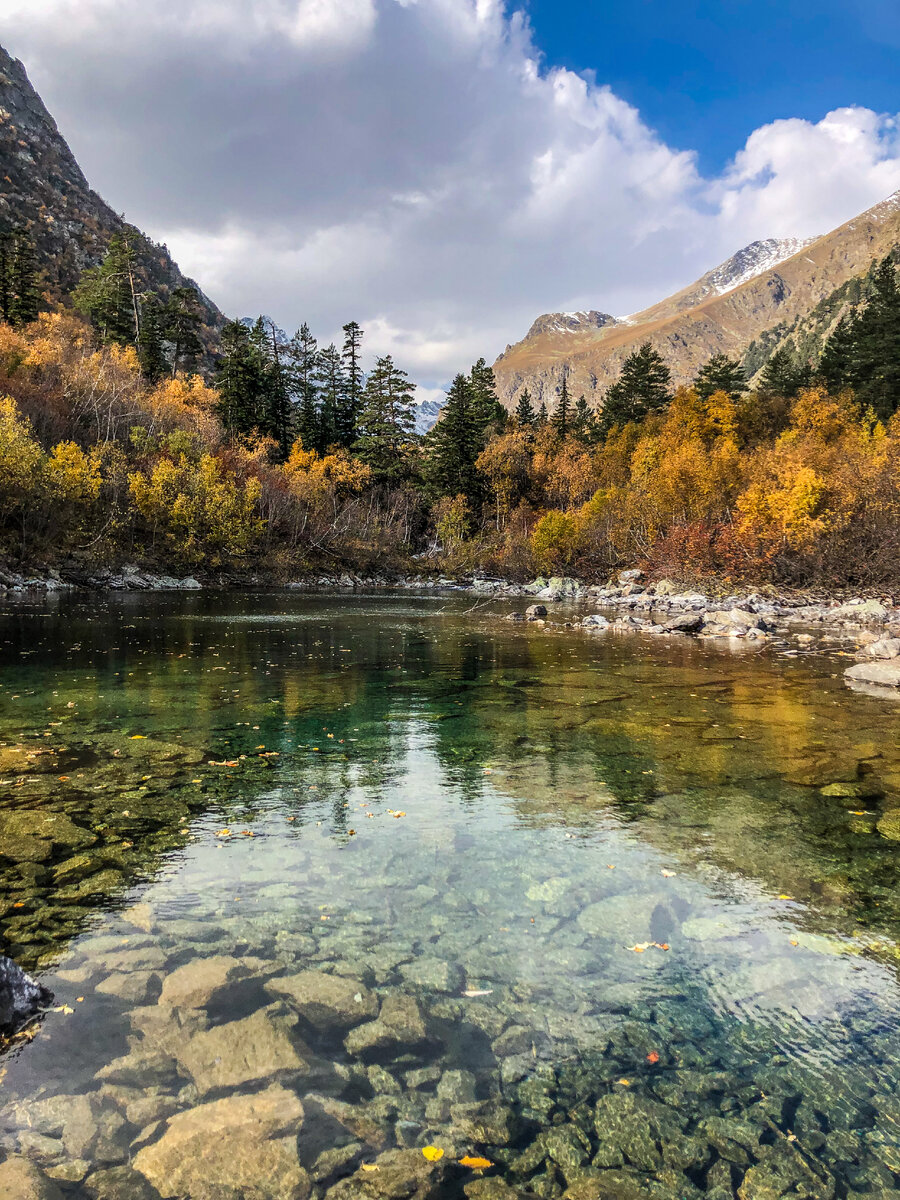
x=412 y=164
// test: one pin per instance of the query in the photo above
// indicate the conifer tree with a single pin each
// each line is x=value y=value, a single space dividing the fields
x=387 y=422
x=583 y=423
x=875 y=373
x=783 y=376
x=562 y=415
x=275 y=414
x=6 y=256
x=330 y=383
x=541 y=419
x=241 y=381
x=24 y=298
x=525 y=414
x=108 y=294
x=486 y=408
x=350 y=398
x=182 y=319
x=454 y=443
x=720 y=374
x=642 y=389
x=302 y=356
x=151 y=351
x=836 y=365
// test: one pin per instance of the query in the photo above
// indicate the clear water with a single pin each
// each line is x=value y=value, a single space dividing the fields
x=685 y=950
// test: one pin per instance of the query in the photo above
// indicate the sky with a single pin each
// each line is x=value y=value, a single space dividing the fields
x=444 y=171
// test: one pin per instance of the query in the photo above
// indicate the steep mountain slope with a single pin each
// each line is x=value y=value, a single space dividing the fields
x=766 y=284
x=43 y=191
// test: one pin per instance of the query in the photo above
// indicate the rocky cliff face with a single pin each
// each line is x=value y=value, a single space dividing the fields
x=767 y=284
x=43 y=190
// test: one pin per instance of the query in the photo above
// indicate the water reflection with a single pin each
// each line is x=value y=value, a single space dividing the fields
x=657 y=872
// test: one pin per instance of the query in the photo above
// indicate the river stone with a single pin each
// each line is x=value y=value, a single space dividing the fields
x=884 y=648
x=140 y=1069
x=20 y=995
x=22 y=1180
x=885 y=674
x=257 y=1048
x=434 y=974
x=399 y=1029
x=889 y=825
x=686 y=623
x=119 y=1183
x=490 y=1189
x=401 y=1175
x=625 y=918
x=198 y=983
x=244 y=1143
x=536 y=610
x=329 y=1003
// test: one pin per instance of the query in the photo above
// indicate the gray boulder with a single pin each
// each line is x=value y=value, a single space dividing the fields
x=536 y=610
x=687 y=623
x=884 y=674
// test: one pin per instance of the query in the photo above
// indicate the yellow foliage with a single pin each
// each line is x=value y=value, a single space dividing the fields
x=555 y=541
x=21 y=457
x=313 y=477
x=73 y=476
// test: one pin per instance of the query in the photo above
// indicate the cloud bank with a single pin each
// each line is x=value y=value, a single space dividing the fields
x=412 y=164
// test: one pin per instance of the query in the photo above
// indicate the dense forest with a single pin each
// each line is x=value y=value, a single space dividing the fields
x=118 y=443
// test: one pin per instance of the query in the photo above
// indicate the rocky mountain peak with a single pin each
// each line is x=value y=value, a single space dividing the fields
x=570 y=322
x=751 y=261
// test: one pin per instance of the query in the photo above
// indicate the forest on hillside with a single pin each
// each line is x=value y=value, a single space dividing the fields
x=118 y=444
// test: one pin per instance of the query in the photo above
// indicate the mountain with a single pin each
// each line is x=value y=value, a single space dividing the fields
x=426 y=415
x=769 y=285
x=44 y=192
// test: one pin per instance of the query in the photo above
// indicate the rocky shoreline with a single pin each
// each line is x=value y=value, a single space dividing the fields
x=869 y=626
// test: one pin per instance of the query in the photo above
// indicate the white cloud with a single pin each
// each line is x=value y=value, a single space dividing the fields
x=412 y=164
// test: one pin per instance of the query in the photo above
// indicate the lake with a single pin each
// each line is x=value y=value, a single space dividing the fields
x=319 y=883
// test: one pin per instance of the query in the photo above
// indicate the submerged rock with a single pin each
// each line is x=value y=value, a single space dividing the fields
x=400 y=1029
x=22 y=1180
x=328 y=1002
x=257 y=1048
x=886 y=674
x=20 y=996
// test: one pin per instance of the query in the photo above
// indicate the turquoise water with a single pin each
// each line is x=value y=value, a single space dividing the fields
x=320 y=882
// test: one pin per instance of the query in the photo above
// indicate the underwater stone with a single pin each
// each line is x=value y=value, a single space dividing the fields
x=198 y=982
x=434 y=974
x=257 y=1048
x=400 y=1028
x=328 y=1002
x=22 y=1180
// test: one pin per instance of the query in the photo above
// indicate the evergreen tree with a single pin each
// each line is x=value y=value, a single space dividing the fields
x=151 y=351
x=302 y=356
x=182 y=319
x=525 y=414
x=6 y=257
x=839 y=353
x=330 y=383
x=875 y=375
x=454 y=443
x=23 y=298
x=783 y=376
x=562 y=416
x=275 y=408
x=720 y=374
x=108 y=294
x=541 y=419
x=241 y=381
x=350 y=398
x=583 y=423
x=486 y=408
x=387 y=422
x=642 y=389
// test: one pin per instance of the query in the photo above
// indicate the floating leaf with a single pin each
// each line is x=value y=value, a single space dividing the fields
x=369 y=1166
x=668 y=874
x=473 y=992
x=624 y=1082
x=653 y=1056
x=432 y=1153
x=138 y=737
x=476 y=1164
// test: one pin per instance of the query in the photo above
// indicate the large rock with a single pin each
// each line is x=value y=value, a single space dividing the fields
x=884 y=674
x=399 y=1029
x=247 y=1144
x=257 y=1048
x=687 y=623
x=401 y=1175
x=887 y=647
x=329 y=1003
x=22 y=1180
x=20 y=996
x=199 y=982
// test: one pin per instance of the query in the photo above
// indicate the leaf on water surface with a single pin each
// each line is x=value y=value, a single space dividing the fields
x=369 y=1166
x=223 y=833
x=653 y=1056
x=668 y=874
x=473 y=992
x=624 y=1082
x=432 y=1153
x=476 y=1164
x=785 y=896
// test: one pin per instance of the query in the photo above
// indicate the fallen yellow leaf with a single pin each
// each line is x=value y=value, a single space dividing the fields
x=138 y=737
x=369 y=1166
x=432 y=1153
x=476 y=1164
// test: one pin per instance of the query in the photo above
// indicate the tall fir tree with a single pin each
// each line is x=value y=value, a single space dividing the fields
x=24 y=297
x=486 y=408
x=542 y=418
x=108 y=294
x=562 y=414
x=783 y=375
x=387 y=423
x=453 y=444
x=182 y=320
x=642 y=389
x=151 y=350
x=350 y=400
x=302 y=355
x=837 y=362
x=875 y=374
x=6 y=257
x=525 y=414
x=330 y=383
x=720 y=374
x=241 y=381
x=584 y=427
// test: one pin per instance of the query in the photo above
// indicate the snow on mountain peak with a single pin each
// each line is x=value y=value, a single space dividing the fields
x=753 y=260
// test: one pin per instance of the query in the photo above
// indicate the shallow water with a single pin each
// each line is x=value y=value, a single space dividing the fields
x=657 y=863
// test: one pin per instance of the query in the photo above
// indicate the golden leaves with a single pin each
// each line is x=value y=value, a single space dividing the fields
x=432 y=1153
x=642 y=946
x=475 y=1163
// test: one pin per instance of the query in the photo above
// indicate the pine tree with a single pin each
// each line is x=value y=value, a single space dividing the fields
x=783 y=376
x=562 y=416
x=182 y=319
x=453 y=445
x=151 y=351
x=486 y=408
x=838 y=355
x=642 y=389
x=583 y=424
x=330 y=382
x=525 y=414
x=108 y=294
x=302 y=356
x=350 y=398
x=24 y=298
x=542 y=418
x=276 y=401
x=875 y=374
x=6 y=255
x=387 y=422
x=241 y=381
x=720 y=374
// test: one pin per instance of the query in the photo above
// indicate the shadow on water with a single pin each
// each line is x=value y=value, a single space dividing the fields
x=623 y=907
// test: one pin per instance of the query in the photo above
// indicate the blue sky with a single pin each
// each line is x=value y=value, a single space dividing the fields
x=444 y=171
x=706 y=74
